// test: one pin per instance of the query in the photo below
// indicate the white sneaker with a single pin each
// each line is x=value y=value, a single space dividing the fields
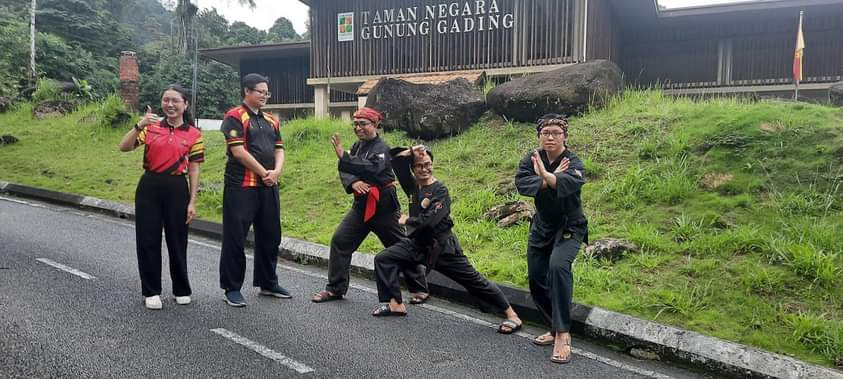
x=153 y=302
x=182 y=300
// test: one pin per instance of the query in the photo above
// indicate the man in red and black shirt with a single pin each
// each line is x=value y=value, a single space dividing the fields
x=255 y=159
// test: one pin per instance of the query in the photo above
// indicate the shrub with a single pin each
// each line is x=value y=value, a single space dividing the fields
x=46 y=90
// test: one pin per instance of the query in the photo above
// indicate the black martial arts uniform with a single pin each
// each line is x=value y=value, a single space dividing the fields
x=556 y=233
x=378 y=212
x=431 y=243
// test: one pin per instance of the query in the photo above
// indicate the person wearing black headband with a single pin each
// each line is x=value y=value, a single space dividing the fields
x=431 y=242
x=553 y=176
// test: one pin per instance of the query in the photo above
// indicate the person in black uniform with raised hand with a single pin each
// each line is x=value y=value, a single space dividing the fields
x=553 y=176
x=366 y=172
x=430 y=242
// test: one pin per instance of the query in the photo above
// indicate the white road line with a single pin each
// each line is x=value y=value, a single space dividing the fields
x=299 y=367
x=66 y=268
x=35 y=205
x=474 y=320
x=587 y=354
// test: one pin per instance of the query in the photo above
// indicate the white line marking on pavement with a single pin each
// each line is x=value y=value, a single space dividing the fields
x=66 y=268
x=448 y=312
x=434 y=308
x=301 y=368
x=21 y=202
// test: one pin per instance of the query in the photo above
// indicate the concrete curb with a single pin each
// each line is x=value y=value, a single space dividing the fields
x=670 y=343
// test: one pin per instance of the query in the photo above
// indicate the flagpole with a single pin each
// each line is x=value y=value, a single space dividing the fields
x=799 y=37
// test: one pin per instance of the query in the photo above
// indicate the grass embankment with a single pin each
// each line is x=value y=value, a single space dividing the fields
x=736 y=205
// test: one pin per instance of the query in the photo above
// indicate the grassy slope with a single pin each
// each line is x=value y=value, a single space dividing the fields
x=755 y=259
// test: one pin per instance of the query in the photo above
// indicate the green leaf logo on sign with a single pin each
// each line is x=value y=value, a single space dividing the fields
x=345 y=26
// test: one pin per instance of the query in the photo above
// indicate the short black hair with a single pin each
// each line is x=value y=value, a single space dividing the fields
x=426 y=150
x=250 y=81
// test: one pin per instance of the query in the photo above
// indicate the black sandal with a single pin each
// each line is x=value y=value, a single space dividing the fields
x=384 y=311
x=513 y=327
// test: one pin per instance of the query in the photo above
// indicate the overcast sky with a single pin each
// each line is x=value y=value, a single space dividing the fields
x=264 y=14
x=267 y=11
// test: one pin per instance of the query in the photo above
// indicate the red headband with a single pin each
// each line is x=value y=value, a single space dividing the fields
x=369 y=114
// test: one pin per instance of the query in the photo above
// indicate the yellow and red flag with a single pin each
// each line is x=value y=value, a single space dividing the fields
x=798 y=53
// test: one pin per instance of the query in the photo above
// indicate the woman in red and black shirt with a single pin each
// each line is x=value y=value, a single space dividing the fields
x=173 y=149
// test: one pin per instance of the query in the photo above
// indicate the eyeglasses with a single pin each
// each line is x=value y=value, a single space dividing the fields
x=425 y=166
x=361 y=124
x=171 y=101
x=551 y=134
x=267 y=94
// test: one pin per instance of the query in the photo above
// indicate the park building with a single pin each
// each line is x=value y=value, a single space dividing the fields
x=742 y=47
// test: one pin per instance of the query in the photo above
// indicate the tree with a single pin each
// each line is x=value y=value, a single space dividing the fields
x=85 y=23
x=282 y=30
x=213 y=28
x=185 y=13
x=243 y=34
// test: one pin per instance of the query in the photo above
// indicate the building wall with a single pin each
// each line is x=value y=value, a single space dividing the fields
x=288 y=80
x=750 y=48
x=602 y=36
x=413 y=36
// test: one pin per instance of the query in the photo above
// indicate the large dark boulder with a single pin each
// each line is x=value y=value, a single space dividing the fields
x=5 y=104
x=568 y=90
x=52 y=108
x=427 y=111
x=835 y=94
x=7 y=140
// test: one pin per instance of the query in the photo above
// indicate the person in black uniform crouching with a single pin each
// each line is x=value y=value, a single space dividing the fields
x=366 y=172
x=554 y=176
x=430 y=242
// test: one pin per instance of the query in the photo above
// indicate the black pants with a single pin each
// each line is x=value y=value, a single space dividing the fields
x=161 y=202
x=453 y=264
x=242 y=208
x=350 y=234
x=551 y=280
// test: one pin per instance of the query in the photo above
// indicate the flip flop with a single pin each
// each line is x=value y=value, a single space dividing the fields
x=419 y=299
x=547 y=342
x=556 y=358
x=323 y=296
x=513 y=327
x=384 y=311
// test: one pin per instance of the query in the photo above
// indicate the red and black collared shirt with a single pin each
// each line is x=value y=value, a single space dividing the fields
x=168 y=149
x=260 y=134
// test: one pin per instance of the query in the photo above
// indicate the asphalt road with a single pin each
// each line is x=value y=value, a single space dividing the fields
x=70 y=306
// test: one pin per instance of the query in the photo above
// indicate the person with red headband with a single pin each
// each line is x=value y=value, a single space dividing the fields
x=553 y=176
x=366 y=172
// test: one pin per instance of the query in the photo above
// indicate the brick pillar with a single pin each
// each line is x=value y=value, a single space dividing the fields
x=129 y=76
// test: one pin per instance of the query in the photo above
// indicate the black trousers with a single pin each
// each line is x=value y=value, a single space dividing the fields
x=350 y=234
x=552 y=281
x=454 y=265
x=242 y=208
x=161 y=202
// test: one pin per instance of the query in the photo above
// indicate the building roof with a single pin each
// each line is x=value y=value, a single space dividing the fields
x=475 y=77
x=233 y=55
x=633 y=13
